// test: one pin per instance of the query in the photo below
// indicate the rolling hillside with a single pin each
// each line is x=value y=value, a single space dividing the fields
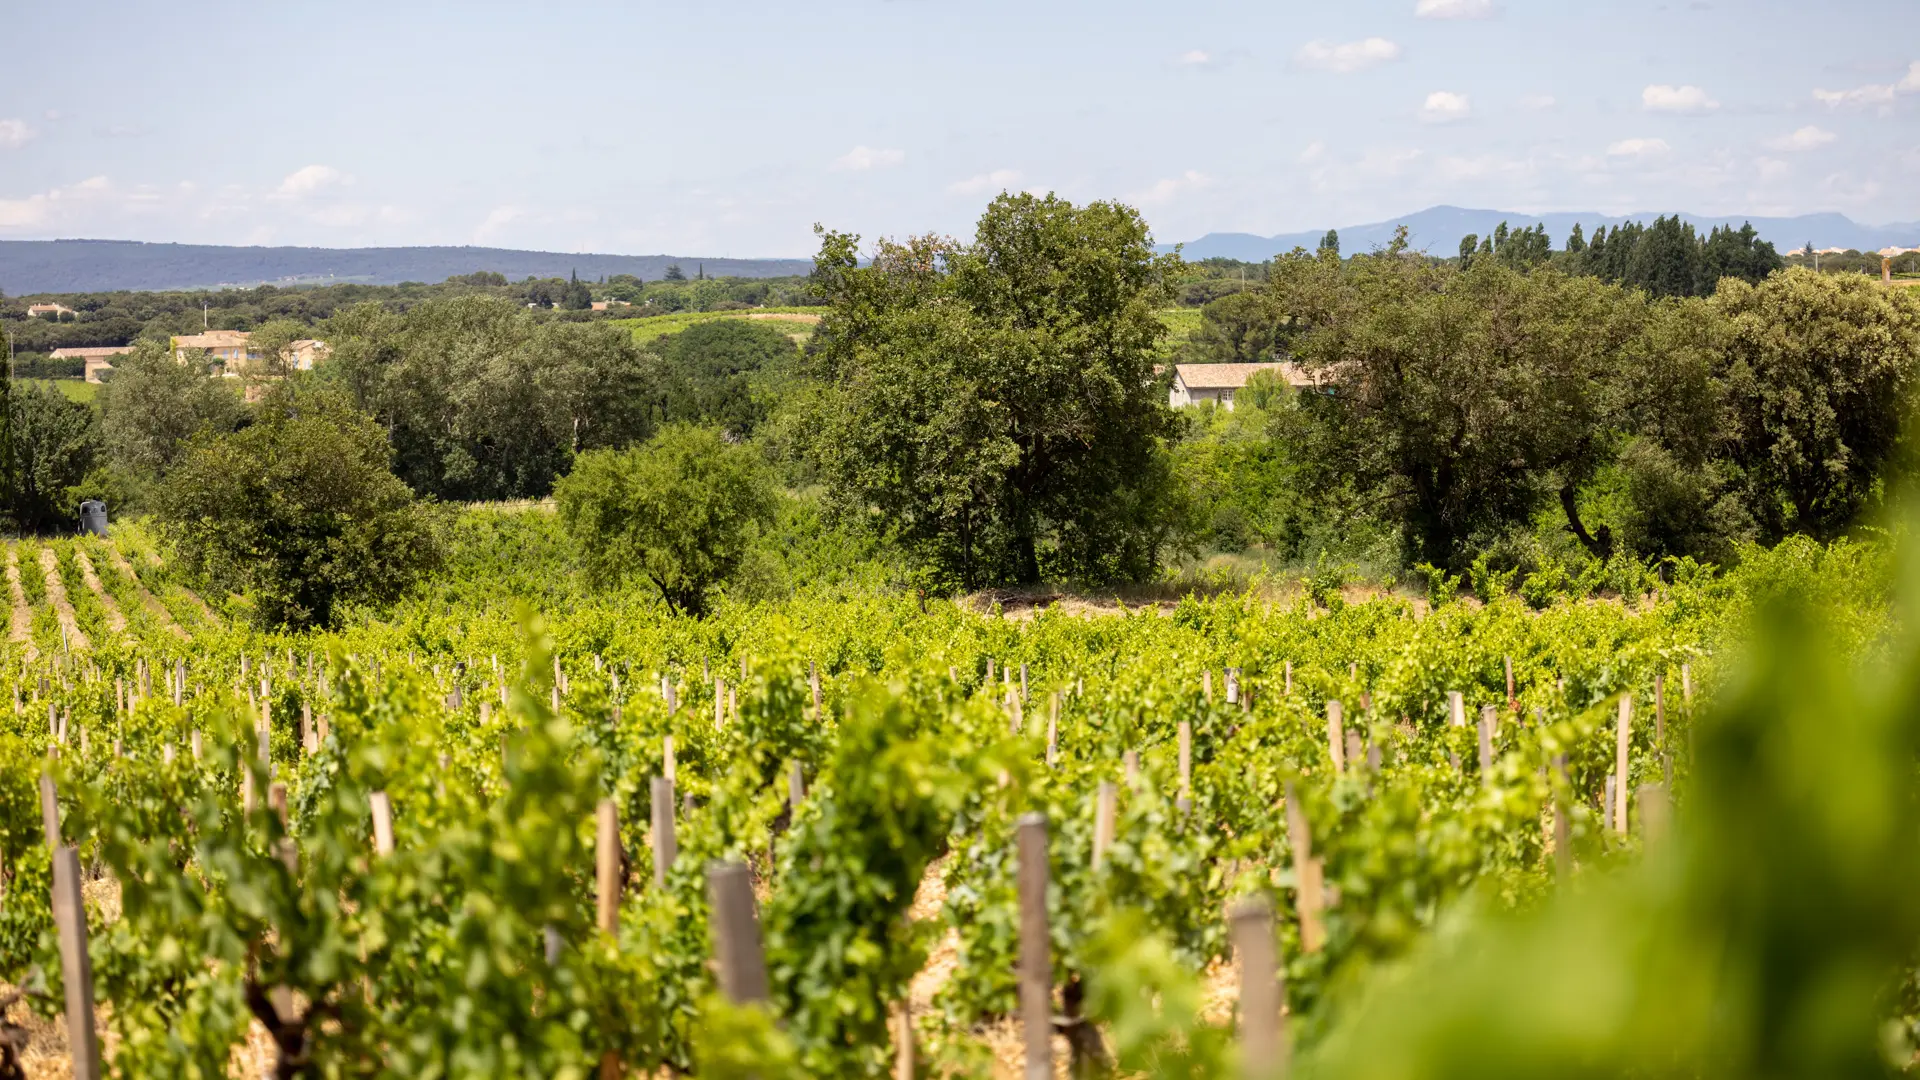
x=66 y=266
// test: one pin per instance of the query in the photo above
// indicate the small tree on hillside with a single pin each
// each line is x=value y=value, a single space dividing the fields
x=680 y=512
x=299 y=511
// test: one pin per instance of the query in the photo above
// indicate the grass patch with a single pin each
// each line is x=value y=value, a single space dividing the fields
x=658 y=326
x=75 y=389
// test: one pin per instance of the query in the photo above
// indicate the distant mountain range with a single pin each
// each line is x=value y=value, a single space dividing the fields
x=1439 y=229
x=64 y=266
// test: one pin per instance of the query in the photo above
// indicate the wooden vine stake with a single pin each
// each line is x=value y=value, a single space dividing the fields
x=1206 y=684
x=796 y=785
x=1036 y=964
x=1308 y=887
x=664 y=846
x=1660 y=727
x=1654 y=811
x=1105 y=807
x=1621 y=787
x=76 y=967
x=1487 y=720
x=49 y=812
x=1186 y=764
x=905 y=1065
x=1512 y=701
x=382 y=808
x=1130 y=763
x=1053 y=727
x=1263 y=1045
x=736 y=934
x=1456 y=709
x=606 y=866
x=1336 y=740
x=1562 y=819
x=1289 y=683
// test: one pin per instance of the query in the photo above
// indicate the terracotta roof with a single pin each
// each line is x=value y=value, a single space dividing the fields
x=1235 y=376
x=212 y=339
x=90 y=351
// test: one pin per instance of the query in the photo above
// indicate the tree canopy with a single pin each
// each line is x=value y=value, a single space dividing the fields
x=679 y=512
x=484 y=401
x=298 y=510
x=994 y=405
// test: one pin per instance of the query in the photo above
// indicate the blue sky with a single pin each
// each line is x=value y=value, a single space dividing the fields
x=731 y=128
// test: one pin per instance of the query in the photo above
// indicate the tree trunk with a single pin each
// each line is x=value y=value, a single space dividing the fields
x=1029 y=558
x=1598 y=544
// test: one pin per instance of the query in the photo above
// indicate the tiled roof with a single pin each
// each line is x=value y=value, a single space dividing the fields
x=212 y=339
x=90 y=351
x=1235 y=376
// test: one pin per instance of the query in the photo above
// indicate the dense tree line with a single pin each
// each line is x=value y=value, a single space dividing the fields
x=121 y=318
x=1463 y=409
x=994 y=411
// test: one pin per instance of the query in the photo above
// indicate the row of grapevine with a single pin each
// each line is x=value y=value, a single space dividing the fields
x=390 y=847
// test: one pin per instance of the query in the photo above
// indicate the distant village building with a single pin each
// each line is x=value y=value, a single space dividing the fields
x=1195 y=383
x=50 y=311
x=233 y=350
x=99 y=359
x=603 y=305
x=308 y=352
x=227 y=347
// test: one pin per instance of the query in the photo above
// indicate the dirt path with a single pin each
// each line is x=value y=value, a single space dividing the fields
x=116 y=621
x=147 y=598
x=20 y=629
x=62 y=607
x=205 y=611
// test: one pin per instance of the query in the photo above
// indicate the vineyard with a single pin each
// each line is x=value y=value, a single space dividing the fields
x=517 y=827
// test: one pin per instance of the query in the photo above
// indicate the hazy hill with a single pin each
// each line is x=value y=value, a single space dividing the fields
x=58 y=266
x=1438 y=230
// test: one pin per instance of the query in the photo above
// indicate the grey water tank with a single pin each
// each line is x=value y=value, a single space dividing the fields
x=93 y=517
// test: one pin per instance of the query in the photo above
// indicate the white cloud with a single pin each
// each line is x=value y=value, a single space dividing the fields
x=1539 y=102
x=15 y=133
x=1859 y=95
x=497 y=218
x=1630 y=148
x=1166 y=190
x=1690 y=100
x=1806 y=138
x=1453 y=9
x=1314 y=152
x=1873 y=93
x=309 y=179
x=1444 y=106
x=42 y=209
x=1346 y=57
x=862 y=158
x=997 y=180
x=1195 y=58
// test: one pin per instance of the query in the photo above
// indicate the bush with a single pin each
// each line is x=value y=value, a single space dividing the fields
x=299 y=511
x=681 y=512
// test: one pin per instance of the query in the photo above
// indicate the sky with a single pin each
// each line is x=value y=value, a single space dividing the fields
x=731 y=129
